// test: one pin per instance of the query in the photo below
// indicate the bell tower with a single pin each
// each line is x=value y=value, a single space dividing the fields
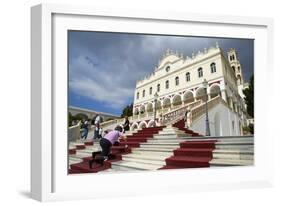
x=236 y=66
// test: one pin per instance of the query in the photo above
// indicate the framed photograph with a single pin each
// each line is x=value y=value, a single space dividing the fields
x=136 y=102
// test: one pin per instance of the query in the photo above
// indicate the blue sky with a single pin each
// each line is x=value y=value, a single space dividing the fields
x=104 y=67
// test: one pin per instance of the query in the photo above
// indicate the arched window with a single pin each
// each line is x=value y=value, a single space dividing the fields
x=213 y=67
x=177 y=81
x=233 y=68
x=167 y=68
x=150 y=90
x=238 y=69
x=167 y=84
x=138 y=95
x=200 y=72
x=158 y=87
x=143 y=93
x=187 y=76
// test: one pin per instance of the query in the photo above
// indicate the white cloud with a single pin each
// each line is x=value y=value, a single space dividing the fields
x=105 y=67
x=95 y=83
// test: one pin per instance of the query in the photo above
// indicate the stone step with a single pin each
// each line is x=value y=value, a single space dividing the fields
x=165 y=140
x=110 y=170
x=171 y=131
x=75 y=158
x=150 y=152
x=133 y=165
x=175 y=143
x=71 y=148
x=153 y=149
x=203 y=138
x=249 y=139
x=234 y=151
x=74 y=144
x=131 y=132
x=222 y=137
x=147 y=156
x=238 y=142
x=93 y=147
x=85 y=151
x=231 y=162
x=169 y=136
x=145 y=161
x=72 y=161
x=233 y=147
x=233 y=156
x=114 y=170
x=156 y=146
x=81 y=155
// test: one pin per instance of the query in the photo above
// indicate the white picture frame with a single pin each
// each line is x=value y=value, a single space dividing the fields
x=49 y=179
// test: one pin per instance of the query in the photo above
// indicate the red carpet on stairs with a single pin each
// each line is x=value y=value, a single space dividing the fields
x=181 y=125
x=191 y=154
x=133 y=140
x=194 y=152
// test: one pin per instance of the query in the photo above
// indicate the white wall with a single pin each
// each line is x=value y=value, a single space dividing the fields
x=220 y=120
x=179 y=69
x=15 y=93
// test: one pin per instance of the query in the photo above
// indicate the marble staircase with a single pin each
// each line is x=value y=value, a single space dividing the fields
x=170 y=147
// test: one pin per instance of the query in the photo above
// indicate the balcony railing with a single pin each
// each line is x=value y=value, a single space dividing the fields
x=201 y=109
x=169 y=117
x=178 y=113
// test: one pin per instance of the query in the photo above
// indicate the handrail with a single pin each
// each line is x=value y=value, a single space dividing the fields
x=174 y=115
x=199 y=110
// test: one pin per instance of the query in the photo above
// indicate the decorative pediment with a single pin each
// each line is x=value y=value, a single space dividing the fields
x=168 y=58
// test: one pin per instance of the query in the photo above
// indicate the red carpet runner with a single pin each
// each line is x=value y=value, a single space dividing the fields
x=191 y=154
x=133 y=141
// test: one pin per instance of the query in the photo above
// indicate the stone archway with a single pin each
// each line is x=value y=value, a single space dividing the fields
x=158 y=105
x=166 y=103
x=239 y=79
x=149 y=107
x=142 y=125
x=134 y=127
x=177 y=100
x=215 y=91
x=142 y=109
x=188 y=97
x=136 y=111
x=200 y=94
x=151 y=123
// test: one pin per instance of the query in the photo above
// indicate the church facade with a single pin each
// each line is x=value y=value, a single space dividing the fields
x=178 y=81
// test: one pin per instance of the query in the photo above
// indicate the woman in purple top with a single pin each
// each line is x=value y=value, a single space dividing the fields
x=109 y=139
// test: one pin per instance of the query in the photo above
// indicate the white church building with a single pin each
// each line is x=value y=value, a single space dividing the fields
x=177 y=84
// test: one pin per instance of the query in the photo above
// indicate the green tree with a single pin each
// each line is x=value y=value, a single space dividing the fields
x=249 y=97
x=127 y=111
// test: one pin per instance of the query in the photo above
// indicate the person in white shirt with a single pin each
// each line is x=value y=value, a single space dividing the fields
x=97 y=126
x=100 y=133
x=187 y=118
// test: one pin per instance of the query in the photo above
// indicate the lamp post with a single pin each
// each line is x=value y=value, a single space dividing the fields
x=205 y=85
x=155 y=102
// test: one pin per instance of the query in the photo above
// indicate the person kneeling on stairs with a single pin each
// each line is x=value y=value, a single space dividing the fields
x=111 y=139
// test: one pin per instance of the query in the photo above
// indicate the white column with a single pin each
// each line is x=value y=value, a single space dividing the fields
x=223 y=95
x=231 y=103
